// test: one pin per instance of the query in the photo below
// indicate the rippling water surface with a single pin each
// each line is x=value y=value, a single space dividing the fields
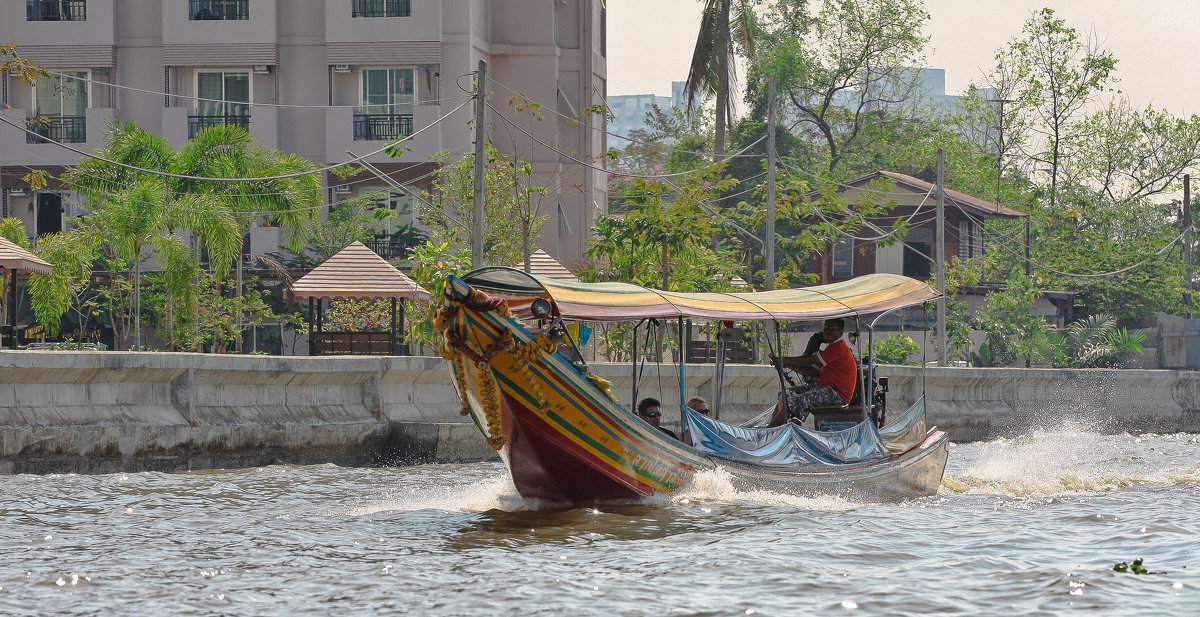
x=1029 y=526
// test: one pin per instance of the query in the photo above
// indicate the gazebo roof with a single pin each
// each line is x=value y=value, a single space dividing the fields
x=542 y=264
x=356 y=272
x=13 y=257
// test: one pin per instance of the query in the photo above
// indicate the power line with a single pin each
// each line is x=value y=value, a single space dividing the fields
x=609 y=171
x=259 y=178
x=247 y=103
x=611 y=134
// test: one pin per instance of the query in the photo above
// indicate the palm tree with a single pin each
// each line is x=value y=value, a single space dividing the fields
x=138 y=210
x=723 y=28
x=227 y=151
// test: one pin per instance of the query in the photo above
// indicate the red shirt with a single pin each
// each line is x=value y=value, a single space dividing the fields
x=838 y=368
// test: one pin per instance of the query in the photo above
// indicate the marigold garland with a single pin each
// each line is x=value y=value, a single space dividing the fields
x=456 y=351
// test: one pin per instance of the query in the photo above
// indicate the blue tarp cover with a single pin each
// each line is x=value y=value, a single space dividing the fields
x=787 y=447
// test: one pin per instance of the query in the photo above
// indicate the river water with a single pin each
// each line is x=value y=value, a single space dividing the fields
x=1026 y=526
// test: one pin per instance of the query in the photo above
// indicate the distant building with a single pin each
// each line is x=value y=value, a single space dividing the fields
x=629 y=111
x=315 y=78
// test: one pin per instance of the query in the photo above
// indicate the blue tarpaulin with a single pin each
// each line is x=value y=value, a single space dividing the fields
x=787 y=447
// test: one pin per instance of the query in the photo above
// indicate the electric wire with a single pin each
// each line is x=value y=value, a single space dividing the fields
x=598 y=168
x=324 y=169
x=247 y=103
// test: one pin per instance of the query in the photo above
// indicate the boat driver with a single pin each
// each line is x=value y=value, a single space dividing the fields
x=835 y=369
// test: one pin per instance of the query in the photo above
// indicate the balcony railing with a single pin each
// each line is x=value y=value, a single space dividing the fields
x=382 y=126
x=63 y=129
x=55 y=10
x=380 y=8
x=228 y=10
x=199 y=123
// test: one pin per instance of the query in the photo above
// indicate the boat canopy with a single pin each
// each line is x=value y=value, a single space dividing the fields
x=610 y=302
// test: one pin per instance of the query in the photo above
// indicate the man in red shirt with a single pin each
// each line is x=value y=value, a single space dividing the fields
x=836 y=370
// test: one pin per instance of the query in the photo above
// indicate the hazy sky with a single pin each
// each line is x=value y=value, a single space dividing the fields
x=1156 y=42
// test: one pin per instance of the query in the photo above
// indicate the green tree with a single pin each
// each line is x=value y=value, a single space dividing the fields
x=149 y=197
x=512 y=218
x=1059 y=74
x=843 y=72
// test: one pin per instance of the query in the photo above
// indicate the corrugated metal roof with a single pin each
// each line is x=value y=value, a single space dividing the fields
x=356 y=272
x=969 y=202
x=13 y=257
x=542 y=264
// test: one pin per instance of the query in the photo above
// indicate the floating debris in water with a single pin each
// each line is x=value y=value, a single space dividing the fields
x=1135 y=567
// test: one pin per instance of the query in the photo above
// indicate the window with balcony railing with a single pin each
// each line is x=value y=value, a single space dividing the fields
x=388 y=99
x=55 y=10
x=218 y=10
x=224 y=98
x=382 y=126
x=199 y=123
x=63 y=129
x=60 y=107
x=379 y=8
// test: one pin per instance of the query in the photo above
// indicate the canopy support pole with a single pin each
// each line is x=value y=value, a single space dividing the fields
x=633 y=397
x=681 y=376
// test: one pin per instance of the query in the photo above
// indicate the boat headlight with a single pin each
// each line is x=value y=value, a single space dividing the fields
x=540 y=308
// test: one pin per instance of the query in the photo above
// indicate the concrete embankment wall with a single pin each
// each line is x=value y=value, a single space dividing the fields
x=110 y=411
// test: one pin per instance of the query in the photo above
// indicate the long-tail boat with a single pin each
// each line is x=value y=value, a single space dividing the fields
x=567 y=440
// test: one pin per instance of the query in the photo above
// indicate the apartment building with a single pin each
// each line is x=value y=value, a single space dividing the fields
x=319 y=78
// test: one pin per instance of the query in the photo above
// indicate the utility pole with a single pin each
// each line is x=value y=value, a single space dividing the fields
x=940 y=258
x=769 y=245
x=1187 y=240
x=480 y=163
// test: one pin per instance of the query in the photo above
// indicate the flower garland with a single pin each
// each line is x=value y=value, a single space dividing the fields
x=457 y=351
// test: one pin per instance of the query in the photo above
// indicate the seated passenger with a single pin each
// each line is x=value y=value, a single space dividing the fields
x=700 y=406
x=650 y=409
x=835 y=369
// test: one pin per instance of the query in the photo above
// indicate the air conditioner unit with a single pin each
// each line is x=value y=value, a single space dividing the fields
x=16 y=192
x=341 y=68
x=341 y=189
x=262 y=68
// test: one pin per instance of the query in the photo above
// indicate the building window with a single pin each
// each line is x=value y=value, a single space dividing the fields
x=379 y=8
x=394 y=238
x=970 y=239
x=200 y=10
x=61 y=104
x=224 y=98
x=843 y=258
x=387 y=105
x=55 y=10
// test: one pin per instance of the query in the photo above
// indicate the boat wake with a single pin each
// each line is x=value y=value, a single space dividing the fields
x=1070 y=461
x=492 y=493
x=716 y=487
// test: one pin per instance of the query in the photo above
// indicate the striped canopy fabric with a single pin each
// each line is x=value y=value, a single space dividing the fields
x=13 y=257
x=609 y=302
x=356 y=272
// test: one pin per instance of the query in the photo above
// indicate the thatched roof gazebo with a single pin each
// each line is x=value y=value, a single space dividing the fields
x=542 y=264
x=356 y=272
x=15 y=259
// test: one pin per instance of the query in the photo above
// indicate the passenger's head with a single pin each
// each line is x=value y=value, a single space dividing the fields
x=651 y=410
x=833 y=329
x=699 y=405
